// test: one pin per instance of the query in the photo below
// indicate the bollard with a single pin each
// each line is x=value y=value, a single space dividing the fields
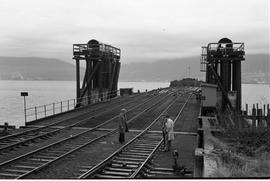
x=68 y=105
x=175 y=156
x=246 y=109
x=61 y=106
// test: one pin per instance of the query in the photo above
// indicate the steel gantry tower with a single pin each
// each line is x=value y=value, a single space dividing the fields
x=222 y=63
x=101 y=71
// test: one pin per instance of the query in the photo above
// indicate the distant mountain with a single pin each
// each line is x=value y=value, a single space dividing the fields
x=165 y=70
x=255 y=68
x=35 y=68
x=161 y=70
x=257 y=63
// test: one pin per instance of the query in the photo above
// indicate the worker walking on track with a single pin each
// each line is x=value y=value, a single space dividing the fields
x=122 y=125
x=169 y=131
x=123 y=115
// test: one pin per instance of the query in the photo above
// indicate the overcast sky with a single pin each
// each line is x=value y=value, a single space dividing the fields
x=145 y=30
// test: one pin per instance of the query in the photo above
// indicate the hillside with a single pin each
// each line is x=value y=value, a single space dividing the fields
x=35 y=68
x=258 y=63
x=255 y=69
x=162 y=70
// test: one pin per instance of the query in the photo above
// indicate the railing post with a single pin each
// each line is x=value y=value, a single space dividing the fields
x=36 y=112
x=53 y=108
x=61 y=106
x=45 y=110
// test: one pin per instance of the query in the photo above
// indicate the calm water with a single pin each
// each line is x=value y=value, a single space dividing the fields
x=46 y=92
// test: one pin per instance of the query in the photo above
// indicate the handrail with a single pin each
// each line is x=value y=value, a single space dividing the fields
x=234 y=46
x=42 y=111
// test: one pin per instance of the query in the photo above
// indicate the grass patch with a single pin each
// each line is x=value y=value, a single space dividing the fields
x=247 y=154
x=231 y=165
x=245 y=142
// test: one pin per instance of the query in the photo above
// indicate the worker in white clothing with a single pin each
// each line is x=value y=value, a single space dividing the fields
x=169 y=130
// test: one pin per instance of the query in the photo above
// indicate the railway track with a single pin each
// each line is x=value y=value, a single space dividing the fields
x=83 y=166
x=24 y=165
x=11 y=141
x=129 y=160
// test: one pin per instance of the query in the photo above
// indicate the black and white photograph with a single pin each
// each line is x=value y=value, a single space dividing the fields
x=134 y=89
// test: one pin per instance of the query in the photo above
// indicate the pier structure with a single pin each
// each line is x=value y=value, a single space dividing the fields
x=101 y=71
x=83 y=142
x=222 y=63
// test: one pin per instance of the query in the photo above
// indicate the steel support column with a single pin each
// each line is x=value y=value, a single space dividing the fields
x=229 y=76
x=78 y=78
x=237 y=83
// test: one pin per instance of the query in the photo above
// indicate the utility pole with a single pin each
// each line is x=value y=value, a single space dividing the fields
x=24 y=94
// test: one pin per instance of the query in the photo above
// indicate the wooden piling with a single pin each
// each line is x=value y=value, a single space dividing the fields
x=259 y=118
x=268 y=118
x=253 y=118
x=268 y=109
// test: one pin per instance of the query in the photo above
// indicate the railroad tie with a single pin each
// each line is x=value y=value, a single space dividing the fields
x=108 y=176
x=9 y=175
x=119 y=169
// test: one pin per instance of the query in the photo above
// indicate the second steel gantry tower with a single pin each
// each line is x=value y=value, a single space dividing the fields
x=222 y=63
